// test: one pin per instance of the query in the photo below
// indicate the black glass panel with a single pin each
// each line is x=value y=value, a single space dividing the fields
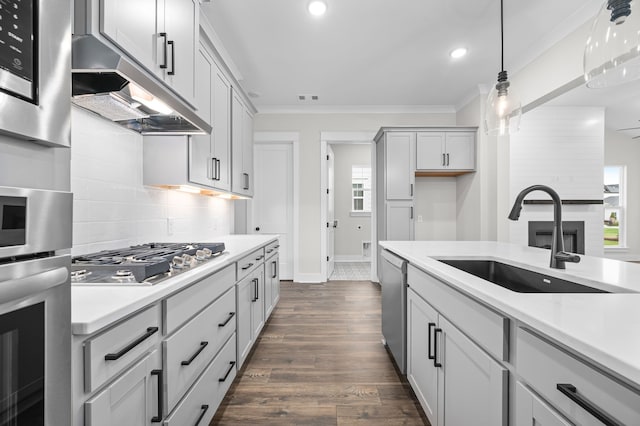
x=13 y=218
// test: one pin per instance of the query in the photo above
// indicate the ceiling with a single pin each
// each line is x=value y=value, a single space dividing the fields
x=383 y=54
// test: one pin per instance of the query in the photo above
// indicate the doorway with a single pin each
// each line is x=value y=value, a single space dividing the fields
x=347 y=201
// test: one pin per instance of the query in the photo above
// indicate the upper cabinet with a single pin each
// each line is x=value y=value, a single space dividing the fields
x=399 y=154
x=242 y=146
x=450 y=150
x=162 y=35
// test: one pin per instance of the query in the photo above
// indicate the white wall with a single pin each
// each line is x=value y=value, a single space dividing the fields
x=309 y=126
x=352 y=230
x=435 y=208
x=112 y=208
x=561 y=147
x=621 y=150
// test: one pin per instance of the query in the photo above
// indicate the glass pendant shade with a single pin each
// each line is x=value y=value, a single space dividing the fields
x=612 y=53
x=503 y=109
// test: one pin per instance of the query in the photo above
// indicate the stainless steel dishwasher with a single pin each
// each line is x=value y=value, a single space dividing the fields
x=394 y=306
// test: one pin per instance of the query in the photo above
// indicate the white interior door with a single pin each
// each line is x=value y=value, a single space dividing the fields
x=331 y=225
x=272 y=203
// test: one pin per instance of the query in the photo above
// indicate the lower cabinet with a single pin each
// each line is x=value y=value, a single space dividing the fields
x=251 y=313
x=271 y=284
x=531 y=410
x=133 y=399
x=449 y=371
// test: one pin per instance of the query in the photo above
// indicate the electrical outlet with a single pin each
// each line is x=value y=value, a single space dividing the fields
x=170 y=223
x=420 y=218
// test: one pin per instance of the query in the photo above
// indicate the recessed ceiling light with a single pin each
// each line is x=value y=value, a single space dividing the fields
x=317 y=8
x=458 y=53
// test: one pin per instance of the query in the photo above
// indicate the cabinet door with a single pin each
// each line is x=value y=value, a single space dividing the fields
x=400 y=222
x=268 y=290
x=238 y=182
x=132 y=399
x=181 y=23
x=221 y=147
x=399 y=165
x=245 y=293
x=131 y=24
x=257 y=307
x=430 y=151
x=247 y=149
x=530 y=410
x=461 y=150
x=421 y=372
x=274 y=269
x=201 y=166
x=468 y=378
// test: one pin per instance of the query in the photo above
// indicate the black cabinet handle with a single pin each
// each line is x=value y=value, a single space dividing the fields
x=572 y=393
x=435 y=347
x=247 y=266
x=200 y=349
x=255 y=290
x=246 y=180
x=443 y=160
x=447 y=158
x=158 y=418
x=411 y=212
x=431 y=325
x=119 y=354
x=218 y=169
x=173 y=57
x=231 y=365
x=275 y=247
x=163 y=65
x=213 y=168
x=269 y=251
x=204 y=409
x=231 y=315
x=274 y=268
x=259 y=258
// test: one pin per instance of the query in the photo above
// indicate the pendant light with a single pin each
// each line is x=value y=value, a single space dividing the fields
x=503 y=109
x=612 y=53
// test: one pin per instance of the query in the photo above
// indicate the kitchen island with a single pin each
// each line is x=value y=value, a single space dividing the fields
x=167 y=353
x=525 y=336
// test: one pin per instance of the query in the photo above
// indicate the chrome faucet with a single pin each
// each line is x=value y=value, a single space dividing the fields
x=558 y=255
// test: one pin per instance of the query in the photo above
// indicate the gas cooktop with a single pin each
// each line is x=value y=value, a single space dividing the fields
x=144 y=264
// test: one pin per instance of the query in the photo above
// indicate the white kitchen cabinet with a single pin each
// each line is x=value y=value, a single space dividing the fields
x=399 y=166
x=531 y=410
x=250 y=308
x=257 y=306
x=400 y=223
x=161 y=35
x=242 y=146
x=132 y=399
x=445 y=151
x=209 y=155
x=271 y=284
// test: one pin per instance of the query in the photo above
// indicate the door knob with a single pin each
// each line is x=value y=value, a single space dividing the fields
x=257 y=228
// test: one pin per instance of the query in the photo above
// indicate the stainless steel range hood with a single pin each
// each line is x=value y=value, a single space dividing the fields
x=109 y=84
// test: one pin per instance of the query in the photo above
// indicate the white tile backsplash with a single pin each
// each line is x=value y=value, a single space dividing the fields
x=112 y=208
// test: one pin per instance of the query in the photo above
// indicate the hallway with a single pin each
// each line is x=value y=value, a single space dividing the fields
x=320 y=361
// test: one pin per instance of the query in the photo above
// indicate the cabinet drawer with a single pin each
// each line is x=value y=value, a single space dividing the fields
x=184 y=305
x=544 y=366
x=203 y=399
x=190 y=349
x=484 y=326
x=249 y=263
x=110 y=352
x=271 y=249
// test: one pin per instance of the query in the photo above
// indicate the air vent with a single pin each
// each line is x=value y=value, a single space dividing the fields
x=307 y=98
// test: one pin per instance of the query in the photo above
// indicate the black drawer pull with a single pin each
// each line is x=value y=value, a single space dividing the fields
x=431 y=325
x=117 y=355
x=247 y=266
x=255 y=290
x=163 y=65
x=572 y=393
x=231 y=315
x=274 y=269
x=435 y=347
x=204 y=409
x=259 y=258
x=231 y=365
x=200 y=349
x=270 y=251
x=158 y=418
x=275 y=247
x=172 y=43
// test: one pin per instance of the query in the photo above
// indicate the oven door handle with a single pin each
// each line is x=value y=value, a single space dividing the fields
x=18 y=288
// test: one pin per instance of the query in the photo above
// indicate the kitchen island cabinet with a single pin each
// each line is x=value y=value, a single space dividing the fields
x=145 y=355
x=548 y=358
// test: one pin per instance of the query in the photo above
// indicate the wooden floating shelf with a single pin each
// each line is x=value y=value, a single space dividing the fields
x=574 y=202
x=443 y=173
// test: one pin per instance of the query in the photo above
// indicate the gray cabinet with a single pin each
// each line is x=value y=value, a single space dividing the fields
x=399 y=152
x=209 y=155
x=531 y=410
x=400 y=224
x=242 y=146
x=271 y=283
x=450 y=150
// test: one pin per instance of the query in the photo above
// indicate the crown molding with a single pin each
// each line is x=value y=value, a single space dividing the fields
x=356 y=109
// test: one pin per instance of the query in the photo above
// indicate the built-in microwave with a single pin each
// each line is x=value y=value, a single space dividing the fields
x=35 y=70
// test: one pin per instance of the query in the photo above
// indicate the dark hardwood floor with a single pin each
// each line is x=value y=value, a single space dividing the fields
x=320 y=361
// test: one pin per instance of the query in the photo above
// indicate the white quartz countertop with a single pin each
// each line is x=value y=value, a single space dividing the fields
x=95 y=307
x=602 y=328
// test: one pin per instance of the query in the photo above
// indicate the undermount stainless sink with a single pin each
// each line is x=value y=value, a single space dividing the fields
x=518 y=279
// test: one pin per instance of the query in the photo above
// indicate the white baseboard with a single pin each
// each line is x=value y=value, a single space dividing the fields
x=351 y=258
x=308 y=278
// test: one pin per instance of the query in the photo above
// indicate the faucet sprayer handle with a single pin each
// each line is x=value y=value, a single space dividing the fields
x=567 y=257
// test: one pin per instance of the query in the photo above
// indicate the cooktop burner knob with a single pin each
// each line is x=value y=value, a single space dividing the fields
x=200 y=255
x=178 y=262
x=207 y=252
x=188 y=259
x=124 y=273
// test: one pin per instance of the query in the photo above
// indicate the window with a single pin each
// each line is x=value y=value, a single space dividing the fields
x=361 y=189
x=614 y=206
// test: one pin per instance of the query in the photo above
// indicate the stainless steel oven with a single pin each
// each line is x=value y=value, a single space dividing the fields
x=35 y=307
